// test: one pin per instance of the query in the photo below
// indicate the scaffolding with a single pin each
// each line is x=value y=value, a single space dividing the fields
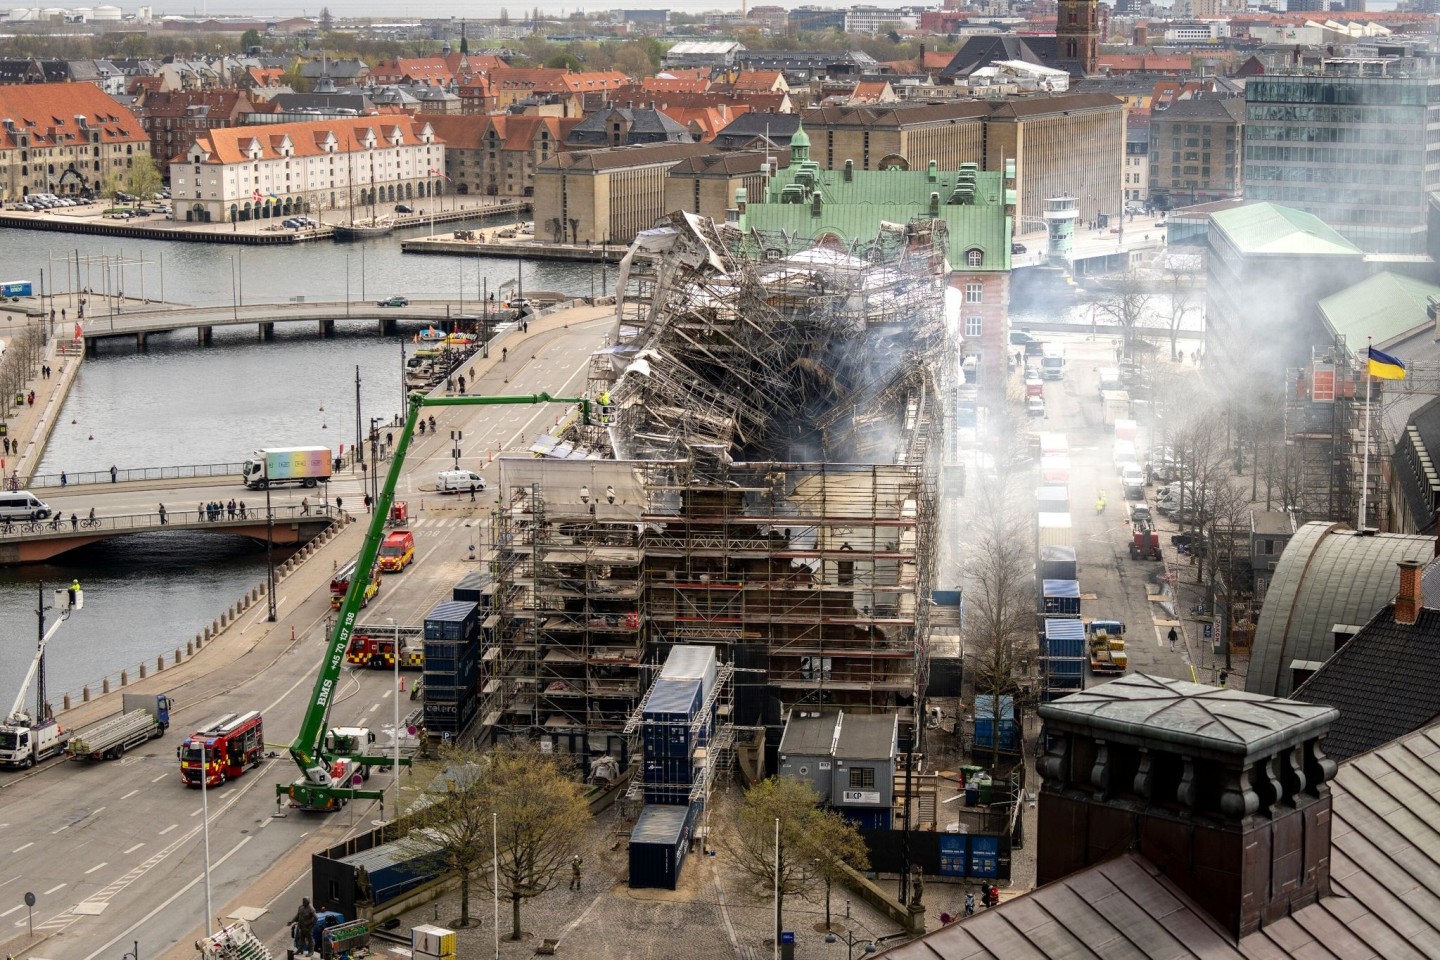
x=1325 y=416
x=771 y=432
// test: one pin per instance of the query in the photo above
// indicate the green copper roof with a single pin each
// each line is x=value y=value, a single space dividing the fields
x=854 y=208
x=1269 y=228
x=800 y=138
x=1387 y=306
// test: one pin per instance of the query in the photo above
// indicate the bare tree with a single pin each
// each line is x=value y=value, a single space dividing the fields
x=1000 y=599
x=518 y=795
x=1123 y=299
x=1180 y=277
x=815 y=844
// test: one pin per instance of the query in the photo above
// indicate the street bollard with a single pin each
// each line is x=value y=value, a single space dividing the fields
x=105 y=686
x=142 y=671
x=124 y=677
x=84 y=696
x=160 y=664
x=189 y=648
x=177 y=656
x=199 y=641
x=65 y=702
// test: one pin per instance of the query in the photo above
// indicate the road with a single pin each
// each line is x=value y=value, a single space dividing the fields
x=1112 y=586
x=114 y=851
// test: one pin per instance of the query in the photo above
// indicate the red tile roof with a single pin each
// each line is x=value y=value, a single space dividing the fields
x=430 y=70
x=47 y=112
x=232 y=144
x=757 y=81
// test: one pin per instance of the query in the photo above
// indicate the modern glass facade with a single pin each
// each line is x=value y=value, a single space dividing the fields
x=1360 y=151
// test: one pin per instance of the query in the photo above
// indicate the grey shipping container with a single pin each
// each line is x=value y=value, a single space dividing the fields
x=658 y=844
x=477 y=588
x=453 y=620
x=1060 y=596
x=1053 y=499
x=1058 y=563
x=692 y=662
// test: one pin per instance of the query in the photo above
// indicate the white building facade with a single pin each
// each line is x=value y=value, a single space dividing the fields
x=275 y=170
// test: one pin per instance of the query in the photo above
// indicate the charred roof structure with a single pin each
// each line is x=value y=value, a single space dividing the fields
x=758 y=475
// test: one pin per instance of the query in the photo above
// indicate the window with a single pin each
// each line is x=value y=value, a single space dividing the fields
x=974 y=293
x=974 y=326
x=861 y=777
x=974 y=257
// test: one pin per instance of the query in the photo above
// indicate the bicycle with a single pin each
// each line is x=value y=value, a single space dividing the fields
x=89 y=522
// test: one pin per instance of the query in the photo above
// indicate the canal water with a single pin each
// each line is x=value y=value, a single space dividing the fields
x=178 y=404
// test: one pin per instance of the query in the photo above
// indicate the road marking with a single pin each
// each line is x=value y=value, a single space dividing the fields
x=164 y=906
x=18 y=849
x=197 y=811
x=134 y=848
x=53 y=832
x=168 y=829
x=159 y=778
x=386 y=694
x=130 y=794
x=373 y=708
x=58 y=886
x=12 y=910
x=96 y=812
x=96 y=867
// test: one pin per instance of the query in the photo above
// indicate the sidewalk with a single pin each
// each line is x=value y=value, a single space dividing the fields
x=29 y=426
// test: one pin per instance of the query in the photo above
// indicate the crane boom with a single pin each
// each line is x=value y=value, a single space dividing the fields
x=315 y=788
x=17 y=712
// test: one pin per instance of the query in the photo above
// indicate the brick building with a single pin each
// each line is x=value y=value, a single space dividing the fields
x=1197 y=151
x=63 y=138
x=607 y=195
x=175 y=120
x=497 y=155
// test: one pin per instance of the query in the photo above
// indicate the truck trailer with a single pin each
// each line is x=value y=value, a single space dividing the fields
x=305 y=466
x=142 y=717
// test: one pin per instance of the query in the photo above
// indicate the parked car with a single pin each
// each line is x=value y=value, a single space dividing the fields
x=403 y=208
x=291 y=224
x=1020 y=338
x=394 y=302
x=1035 y=407
x=1017 y=248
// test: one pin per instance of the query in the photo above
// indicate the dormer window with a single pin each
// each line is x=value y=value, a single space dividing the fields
x=974 y=257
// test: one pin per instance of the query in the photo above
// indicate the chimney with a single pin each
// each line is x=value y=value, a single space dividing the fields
x=1409 y=600
x=1222 y=791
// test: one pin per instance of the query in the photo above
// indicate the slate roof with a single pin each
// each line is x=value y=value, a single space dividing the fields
x=621 y=157
x=1204 y=110
x=809 y=736
x=981 y=51
x=1269 y=228
x=1416 y=466
x=1328 y=574
x=1387 y=306
x=867 y=736
x=1383 y=682
x=779 y=127
x=645 y=126
x=1384 y=901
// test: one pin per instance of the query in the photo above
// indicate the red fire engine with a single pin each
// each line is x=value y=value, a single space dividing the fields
x=379 y=652
x=227 y=746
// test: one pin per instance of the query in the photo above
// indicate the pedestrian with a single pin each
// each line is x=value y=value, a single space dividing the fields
x=242 y=509
x=6 y=442
x=369 y=502
x=161 y=511
x=303 y=925
x=389 y=439
x=200 y=511
x=114 y=473
x=62 y=314
x=63 y=479
x=74 y=522
x=1173 y=637
x=339 y=505
x=575 y=864
x=472 y=493
x=504 y=354
x=969 y=903
x=304 y=506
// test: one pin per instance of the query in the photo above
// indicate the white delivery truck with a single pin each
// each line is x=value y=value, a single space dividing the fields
x=305 y=466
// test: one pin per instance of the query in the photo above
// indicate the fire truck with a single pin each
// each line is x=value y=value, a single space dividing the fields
x=340 y=583
x=225 y=746
x=379 y=652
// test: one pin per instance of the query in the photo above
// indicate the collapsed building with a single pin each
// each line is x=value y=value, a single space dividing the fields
x=758 y=474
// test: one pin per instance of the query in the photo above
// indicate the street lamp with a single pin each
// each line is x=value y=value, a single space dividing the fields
x=134 y=954
x=455 y=437
x=851 y=941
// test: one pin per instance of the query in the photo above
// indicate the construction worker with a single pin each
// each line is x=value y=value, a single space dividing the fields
x=74 y=590
x=304 y=926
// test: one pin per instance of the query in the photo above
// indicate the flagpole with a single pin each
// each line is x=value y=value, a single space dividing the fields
x=1365 y=451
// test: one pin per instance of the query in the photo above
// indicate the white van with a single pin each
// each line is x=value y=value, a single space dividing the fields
x=22 y=506
x=458 y=481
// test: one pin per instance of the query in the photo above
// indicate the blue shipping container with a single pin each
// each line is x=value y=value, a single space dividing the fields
x=475 y=588
x=665 y=720
x=668 y=779
x=658 y=844
x=16 y=288
x=1061 y=596
x=985 y=735
x=1064 y=638
x=456 y=620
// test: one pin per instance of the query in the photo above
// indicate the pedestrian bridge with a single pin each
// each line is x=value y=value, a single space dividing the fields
x=140 y=324
x=27 y=542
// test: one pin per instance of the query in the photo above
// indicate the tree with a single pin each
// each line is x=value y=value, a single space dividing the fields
x=538 y=810
x=1000 y=594
x=1123 y=300
x=143 y=179
x=112 y=186
x=815 y=844
x=1179 y=278
x=249 y=39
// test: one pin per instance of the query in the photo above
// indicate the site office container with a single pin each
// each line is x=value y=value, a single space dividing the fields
x=1063 y=656
x=1053 y=498
x=451 y=718
x=985 y=724
x=1054 y=468
x=1060 y=597
x=1053 y=530
x=666 y=718
x=476 y=587
x=658 y=844
x=668 y=779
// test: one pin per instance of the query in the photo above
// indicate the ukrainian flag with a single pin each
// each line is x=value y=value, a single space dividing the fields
x=1385 y=367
